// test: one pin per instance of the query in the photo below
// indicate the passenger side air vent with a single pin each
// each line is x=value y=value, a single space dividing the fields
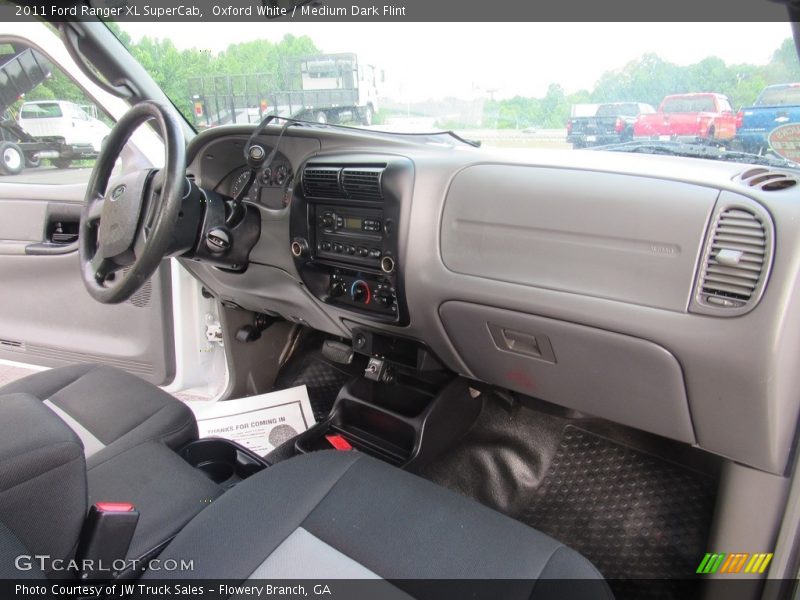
x=362 y=183
x=768 y=180
x=322 y=182
x=736 y=260
x=343 y=182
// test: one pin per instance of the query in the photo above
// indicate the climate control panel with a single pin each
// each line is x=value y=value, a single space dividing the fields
x=345 y=218
x=363 y=291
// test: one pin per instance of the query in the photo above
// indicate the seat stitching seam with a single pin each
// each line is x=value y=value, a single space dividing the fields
x=146 y=419
x=543 y=569
x=328 y=493
x=155 y=438
x=95 y=368
x=74 y=381
x=335 y=483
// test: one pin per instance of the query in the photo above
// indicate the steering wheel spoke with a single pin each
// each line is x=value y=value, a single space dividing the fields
x=101 y=267
x=95 y=209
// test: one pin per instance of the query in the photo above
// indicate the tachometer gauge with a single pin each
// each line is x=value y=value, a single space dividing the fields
x=266 y=176
x=239 y=183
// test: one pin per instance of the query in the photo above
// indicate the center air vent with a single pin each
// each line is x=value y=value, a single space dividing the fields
x=736 y=260
x=768 y=180
x=362 y=184
x=321 y=182
x=343 y=182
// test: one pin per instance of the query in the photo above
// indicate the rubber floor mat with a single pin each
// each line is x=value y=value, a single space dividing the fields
x=322 y=379
x=633 y=515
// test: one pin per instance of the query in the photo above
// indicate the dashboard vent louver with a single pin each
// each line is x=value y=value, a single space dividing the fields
x=737 y=258
x=768 y=180
x=362 y=183
x=343 y=182
x=322 y=182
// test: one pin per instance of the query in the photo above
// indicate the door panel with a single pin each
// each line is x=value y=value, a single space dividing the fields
x=46 y=316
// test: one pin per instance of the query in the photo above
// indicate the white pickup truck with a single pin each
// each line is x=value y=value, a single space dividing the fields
x=51 y=119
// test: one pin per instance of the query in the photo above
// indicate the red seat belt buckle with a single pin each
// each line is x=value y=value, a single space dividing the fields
x=114 y=507
x=338 y=442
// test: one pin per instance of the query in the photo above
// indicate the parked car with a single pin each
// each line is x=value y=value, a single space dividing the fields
x=777 y=105
x=689 y=117
x=612 y=123
x=58 y=119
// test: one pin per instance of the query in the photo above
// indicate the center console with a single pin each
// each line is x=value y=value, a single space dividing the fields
x=344 y=232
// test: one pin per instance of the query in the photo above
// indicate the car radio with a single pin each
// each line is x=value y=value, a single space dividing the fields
x=344 y=233
x=358 y=235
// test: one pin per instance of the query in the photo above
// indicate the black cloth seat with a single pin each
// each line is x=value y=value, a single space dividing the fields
x=344 y=515
x=97 y=429
x=110 y=410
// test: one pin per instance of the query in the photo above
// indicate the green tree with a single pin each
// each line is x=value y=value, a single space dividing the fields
x=648 y=79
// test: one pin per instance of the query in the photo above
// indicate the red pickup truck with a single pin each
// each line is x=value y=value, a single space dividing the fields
x=689 y=117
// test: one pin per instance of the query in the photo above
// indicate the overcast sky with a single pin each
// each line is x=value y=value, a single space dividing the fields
x=429 y=60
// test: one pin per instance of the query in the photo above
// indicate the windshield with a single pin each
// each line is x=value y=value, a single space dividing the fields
x=776 y=96
x=618 y=110
x=41 y=110
x=685 y=105
x=509 y=85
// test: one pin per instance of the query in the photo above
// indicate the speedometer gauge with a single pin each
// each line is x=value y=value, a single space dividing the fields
x=239 y=183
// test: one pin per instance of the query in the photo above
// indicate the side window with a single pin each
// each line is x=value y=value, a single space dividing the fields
x=46 y=134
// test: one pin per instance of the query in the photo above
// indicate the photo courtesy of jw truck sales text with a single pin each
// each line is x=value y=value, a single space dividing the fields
x=420 y=300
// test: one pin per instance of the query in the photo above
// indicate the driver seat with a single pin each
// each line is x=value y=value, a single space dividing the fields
x=111 y=411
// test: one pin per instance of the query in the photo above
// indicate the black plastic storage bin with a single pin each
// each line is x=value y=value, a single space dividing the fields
x=388 y=420
x=225 y=462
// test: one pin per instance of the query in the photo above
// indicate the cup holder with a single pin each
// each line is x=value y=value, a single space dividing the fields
x=223 y=461
x=218 y=472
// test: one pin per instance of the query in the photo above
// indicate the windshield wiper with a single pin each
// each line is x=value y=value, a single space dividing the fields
x=260 y=128
x=698 y=150
x=469 y=142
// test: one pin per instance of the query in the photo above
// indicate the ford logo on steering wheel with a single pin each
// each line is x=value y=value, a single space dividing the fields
x=118 y=192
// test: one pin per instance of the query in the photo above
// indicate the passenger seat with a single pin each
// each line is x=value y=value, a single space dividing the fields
x=343 y=515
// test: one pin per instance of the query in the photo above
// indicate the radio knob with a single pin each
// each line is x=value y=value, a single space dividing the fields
x=363 y=252
x=337 y=289
x=328 y=220
x=360 y=293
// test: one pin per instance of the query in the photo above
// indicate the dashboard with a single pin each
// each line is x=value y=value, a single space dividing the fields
x=653 y=291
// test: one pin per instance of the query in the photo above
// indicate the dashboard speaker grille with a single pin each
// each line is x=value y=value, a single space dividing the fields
x=737 y=257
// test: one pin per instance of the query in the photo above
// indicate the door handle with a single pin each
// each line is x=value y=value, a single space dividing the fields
x=50 y=249
x=531 y=345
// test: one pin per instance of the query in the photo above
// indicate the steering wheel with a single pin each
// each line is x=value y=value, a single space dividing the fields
x=127 y=224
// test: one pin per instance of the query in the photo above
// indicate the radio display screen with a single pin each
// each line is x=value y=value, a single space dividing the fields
x=353 y=223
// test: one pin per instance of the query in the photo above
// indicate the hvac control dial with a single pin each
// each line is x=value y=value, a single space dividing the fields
x=360 y=292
